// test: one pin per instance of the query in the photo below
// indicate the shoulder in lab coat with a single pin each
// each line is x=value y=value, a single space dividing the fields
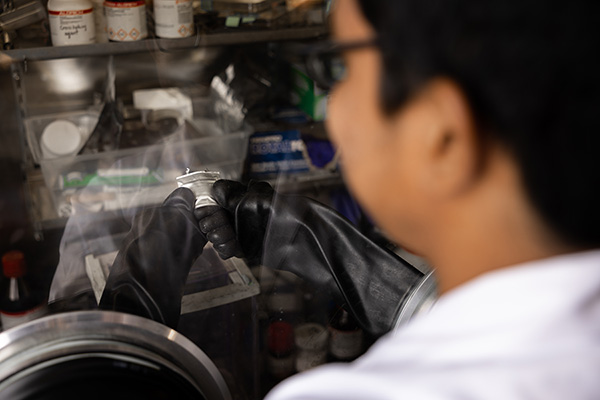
x=530 y=331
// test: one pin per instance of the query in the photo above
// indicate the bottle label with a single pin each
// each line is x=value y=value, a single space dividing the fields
x=174 y=18
x=10 y=320
x=72 y=27
x=126 y=22
x=345 y=345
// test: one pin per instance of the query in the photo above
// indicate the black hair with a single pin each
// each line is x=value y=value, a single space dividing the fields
x=530 y=71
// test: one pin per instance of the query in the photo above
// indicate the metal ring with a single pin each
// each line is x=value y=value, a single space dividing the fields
x=49 y=340
x=420 y=299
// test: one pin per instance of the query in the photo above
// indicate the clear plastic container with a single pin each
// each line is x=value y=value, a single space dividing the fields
x=139 y=176
x=35 y=126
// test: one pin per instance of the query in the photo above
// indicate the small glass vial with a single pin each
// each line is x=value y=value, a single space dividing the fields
x=174 y=18
x=126 y=20
x=71 y=22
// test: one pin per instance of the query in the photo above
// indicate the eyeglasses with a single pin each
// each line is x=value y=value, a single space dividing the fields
x=324 y=61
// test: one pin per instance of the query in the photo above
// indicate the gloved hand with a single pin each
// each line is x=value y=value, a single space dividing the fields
x=149 y=273
x=240 y=227
x=217 y=225
x=303 y=236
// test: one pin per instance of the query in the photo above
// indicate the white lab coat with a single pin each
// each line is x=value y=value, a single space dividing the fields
x=526 y=332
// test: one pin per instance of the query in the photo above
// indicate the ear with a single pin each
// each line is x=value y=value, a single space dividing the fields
x=453 y=152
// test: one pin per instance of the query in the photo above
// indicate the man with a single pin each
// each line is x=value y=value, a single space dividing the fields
x=467 y=130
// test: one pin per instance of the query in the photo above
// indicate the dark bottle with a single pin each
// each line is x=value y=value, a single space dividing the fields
x=18 y=303
x=280 y=345
x=346 y=337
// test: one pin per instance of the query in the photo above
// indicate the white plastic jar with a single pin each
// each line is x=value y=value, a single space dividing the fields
x=311 y=344
x=71 y=22
x=60 y=138
x=174 y=18
x=126 y=20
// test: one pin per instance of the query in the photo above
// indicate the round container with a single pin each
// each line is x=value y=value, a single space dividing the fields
x=126 y=20
x=18 y=303
x=346 y=337
x=103 y=354
x=280 y=338
x=280 y=343
x=71 y=22
x=173 y=18
x=311 y=343
x=100 y=21
x=281 y=367
x=13 y=264
x=60 y=138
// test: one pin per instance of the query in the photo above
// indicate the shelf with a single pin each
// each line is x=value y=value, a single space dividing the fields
x=307 y=182
x=43 y=213
x=238 y=37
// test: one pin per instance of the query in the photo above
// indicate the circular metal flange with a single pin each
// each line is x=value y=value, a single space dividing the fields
x=120 y=346
x=421 y=298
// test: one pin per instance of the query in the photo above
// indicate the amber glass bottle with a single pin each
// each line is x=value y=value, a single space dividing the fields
x=18 y=303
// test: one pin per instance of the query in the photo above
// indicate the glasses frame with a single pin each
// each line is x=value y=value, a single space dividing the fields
x=314 y=55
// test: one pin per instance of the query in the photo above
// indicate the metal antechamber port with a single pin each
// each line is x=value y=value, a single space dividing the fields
x=104 y=355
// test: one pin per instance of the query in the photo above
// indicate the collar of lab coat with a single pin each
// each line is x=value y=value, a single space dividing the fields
x=521 y=310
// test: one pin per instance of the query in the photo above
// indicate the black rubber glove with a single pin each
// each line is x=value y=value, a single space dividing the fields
x=303 y=236
x=217 y=225
x=239 y=236
x=149 y=273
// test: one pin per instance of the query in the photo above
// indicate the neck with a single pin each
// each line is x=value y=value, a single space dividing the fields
x=489 y=229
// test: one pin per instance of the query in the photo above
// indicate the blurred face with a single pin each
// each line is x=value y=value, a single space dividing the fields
x=423 y=172
x=375 y=154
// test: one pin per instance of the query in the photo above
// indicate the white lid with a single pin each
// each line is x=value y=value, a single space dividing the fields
x=60 y=138
x=311 y=336
x=161 y=99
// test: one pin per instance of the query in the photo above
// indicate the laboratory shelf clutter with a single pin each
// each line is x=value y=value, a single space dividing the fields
x=95 y=132
x=200 y=40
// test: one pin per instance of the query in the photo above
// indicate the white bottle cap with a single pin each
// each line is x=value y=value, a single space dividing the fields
x=60 y=138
